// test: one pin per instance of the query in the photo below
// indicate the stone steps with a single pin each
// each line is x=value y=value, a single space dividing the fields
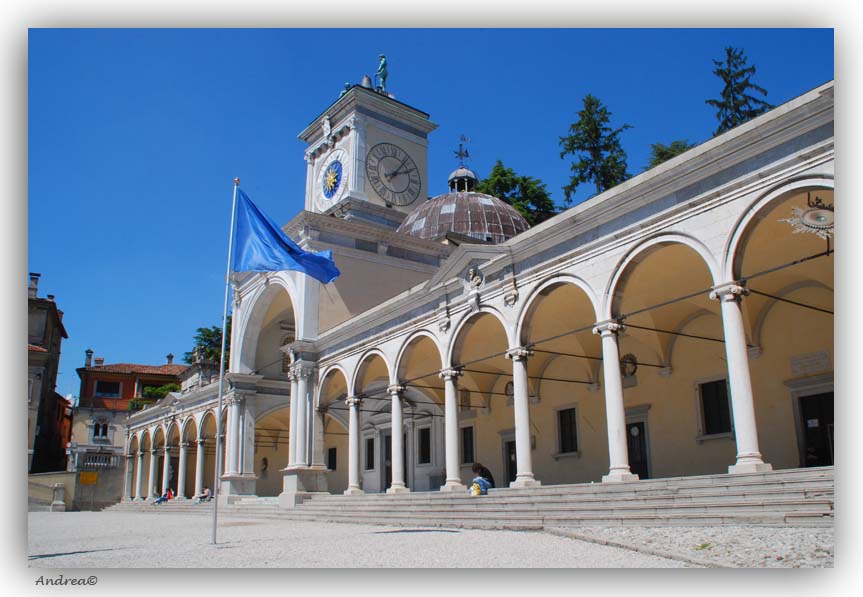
x=799 y=497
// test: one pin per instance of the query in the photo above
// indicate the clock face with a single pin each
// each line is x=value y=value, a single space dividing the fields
x=332 y=178
x=393 y=174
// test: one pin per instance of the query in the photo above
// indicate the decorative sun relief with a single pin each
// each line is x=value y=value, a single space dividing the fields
x=817 y=218
x=332 y=178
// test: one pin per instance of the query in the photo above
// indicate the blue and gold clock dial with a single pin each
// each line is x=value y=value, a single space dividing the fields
x=332 y=179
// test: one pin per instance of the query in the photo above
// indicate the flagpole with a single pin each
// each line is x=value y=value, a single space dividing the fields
x=222 y=367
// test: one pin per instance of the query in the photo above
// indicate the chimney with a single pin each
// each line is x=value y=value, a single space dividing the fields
x=51 y=297
x=99 y=361
x=170 y=358
x=88 y=362
x=34 y=285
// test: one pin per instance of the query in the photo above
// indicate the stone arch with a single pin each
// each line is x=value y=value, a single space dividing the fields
x=735 y=246
x=254 y=321
x=535 y=298
x=642 y=250
x=326 y=377
x=363 y=366
x=409 y=343
x=457 y=337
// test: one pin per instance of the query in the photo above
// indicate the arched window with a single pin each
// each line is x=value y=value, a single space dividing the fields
x=100 y=430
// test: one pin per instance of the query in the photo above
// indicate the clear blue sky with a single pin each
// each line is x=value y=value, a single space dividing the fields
x=135 y=136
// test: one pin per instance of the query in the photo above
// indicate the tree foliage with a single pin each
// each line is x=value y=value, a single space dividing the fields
x=736 y=104
x=526 y=194
x=661 y=153
x=596 y=145
x=209 y=342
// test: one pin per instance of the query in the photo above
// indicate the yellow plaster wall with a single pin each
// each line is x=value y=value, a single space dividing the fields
x=361 y=286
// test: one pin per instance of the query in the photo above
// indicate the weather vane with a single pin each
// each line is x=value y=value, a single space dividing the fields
x=462 y=152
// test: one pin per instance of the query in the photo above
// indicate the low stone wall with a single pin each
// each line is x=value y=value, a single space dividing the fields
x=41 y=493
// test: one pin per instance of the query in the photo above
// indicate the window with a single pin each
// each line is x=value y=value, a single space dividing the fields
x=424 y=448
x=467 y=445
x=100 y=430
x=331 y=459
x=568 y=433
x=107 y=389
x=715 y=414
x=370 y=453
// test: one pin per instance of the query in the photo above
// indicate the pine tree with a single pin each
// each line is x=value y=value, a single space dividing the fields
x=591 y=139
x=526 y=194
x=736 y=105
x=209 y=342
x=662 y=153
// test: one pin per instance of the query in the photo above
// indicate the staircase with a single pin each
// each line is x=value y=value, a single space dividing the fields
x=791 y=497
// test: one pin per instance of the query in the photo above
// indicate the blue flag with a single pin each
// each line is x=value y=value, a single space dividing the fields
x=261 y=246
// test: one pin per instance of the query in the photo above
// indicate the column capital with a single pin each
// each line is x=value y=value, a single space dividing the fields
x=353 y=401
x=450 y=374
x=395 y=389
x=184 y=445
x=519 y=353
x=729 y=292
x=235 y=399
x=201 y=441
x=302 y=370
x=605 y=328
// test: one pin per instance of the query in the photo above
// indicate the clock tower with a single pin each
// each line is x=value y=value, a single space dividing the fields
x=367 y=154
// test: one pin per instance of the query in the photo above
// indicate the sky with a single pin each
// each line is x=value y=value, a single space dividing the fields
x=135 y=137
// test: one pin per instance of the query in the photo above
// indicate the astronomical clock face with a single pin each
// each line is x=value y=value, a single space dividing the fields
x=393 y=174
x=332 y=178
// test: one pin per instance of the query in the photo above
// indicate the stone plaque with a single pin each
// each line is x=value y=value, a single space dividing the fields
x=810 y=362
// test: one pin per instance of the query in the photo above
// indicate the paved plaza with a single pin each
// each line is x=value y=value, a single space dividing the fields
x=134 y=540
x=75 y=540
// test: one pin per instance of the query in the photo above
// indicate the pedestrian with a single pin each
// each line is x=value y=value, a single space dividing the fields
x=480 y=471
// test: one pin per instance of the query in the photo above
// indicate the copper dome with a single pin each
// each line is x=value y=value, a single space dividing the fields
x=469 y=213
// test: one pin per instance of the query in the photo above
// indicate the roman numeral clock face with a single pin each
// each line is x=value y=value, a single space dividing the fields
x=393 y=174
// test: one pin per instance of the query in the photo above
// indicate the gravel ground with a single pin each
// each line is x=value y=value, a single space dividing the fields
x=136 y=540
x=737 y=546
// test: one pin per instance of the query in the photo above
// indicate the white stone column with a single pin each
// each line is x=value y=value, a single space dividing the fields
x=303 y=375
x=199 y=468
x=166 y=471
x=151 y=480
x=397 y=442
x=749 y=459
x=292 y=433
x=139 y=475
x=127 y=477
x=521 y=409
x=453 y=476
x=615 y=415
x=353 y=403
x=181 y=471
x=232 y=438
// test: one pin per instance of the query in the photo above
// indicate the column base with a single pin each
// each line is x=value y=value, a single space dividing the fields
x=453 y=486
x=619 y=478
x=398 y=489
x=300 y=483
x=749 y=467
x=524 y=482
x=233 y=487
x=354 y=491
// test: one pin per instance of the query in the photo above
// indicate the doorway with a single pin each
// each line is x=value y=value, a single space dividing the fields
x=509 y=461
x=816 y=413
x=636 y=443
